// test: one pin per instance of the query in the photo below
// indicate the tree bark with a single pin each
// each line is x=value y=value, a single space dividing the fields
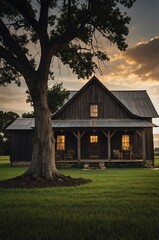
x=43 y=156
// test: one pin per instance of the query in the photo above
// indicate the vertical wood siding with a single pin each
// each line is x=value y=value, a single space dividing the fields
x=93 y=94
x=149 y=144
x=21 y=146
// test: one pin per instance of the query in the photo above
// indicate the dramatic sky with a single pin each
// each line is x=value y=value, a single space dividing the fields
x=137 y=68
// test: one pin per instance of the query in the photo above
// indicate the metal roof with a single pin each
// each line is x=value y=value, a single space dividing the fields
x=22 y=124
x=137 y=102
x=101 y=123
x=29 y=123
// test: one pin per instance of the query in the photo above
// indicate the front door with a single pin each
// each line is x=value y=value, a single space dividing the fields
x=93 y=147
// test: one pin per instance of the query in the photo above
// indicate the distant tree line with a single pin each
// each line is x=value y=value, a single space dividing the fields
x=56 y=97
x=156 y=151
x=6 y=118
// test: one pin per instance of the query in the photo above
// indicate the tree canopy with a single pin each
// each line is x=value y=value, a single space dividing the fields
x=56 y=97
x=67 y=29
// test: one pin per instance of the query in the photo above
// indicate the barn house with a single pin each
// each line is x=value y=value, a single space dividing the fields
x=95 y=126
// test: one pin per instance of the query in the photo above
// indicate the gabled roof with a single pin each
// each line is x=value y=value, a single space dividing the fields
x=93 y=79
x=137 y=103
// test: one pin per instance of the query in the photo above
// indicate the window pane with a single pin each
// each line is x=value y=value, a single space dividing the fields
x=93 y=110
x=94 y=139
x=61 y=142
x=125 y=142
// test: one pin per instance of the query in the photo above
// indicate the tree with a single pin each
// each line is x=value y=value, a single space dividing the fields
x=56 y=97
x=28 y=115
x=67 y=30
x=6 y=118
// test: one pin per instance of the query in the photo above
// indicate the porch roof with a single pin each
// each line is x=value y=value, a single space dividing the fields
x=22 y=124
x=101 y=123
x=29 y=123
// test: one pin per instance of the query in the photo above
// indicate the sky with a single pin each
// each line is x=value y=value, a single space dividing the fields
x=135 y=69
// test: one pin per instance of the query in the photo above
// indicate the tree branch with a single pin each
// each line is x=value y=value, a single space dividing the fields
x=72 y=31
x=12 y=60
x=25 y=9
x=11 y=43
x=88 y=15
x=69 y=13
x=43 y=22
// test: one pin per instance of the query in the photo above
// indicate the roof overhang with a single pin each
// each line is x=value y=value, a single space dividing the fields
x=102 y=123
x=29 y=123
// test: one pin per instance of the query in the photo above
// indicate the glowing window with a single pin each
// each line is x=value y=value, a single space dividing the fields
x=94 y=139
x=93 y=110
x=61 y=142
x=125 y=142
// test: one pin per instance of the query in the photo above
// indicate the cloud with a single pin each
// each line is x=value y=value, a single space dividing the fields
x=145 y=58
x=156 y=140
x=13 y=98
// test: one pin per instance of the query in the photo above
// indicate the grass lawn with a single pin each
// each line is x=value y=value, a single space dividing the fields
x=120 y=204
x=156 y=161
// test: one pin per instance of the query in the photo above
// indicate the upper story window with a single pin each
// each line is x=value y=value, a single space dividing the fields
x=61 y=142
x=125 y=142
x=94 y=110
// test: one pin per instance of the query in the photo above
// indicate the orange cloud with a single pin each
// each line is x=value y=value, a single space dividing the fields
x=145 y=57
x=156 y=140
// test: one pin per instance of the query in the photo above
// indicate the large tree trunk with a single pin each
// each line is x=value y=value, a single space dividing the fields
x=42 y=172
x=43 y=156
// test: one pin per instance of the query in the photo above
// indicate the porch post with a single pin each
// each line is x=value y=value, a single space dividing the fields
x=109 y=136
x=79 y=135
x=79 y=144
x=143 y=145
x=109 y=146
x=142 y=135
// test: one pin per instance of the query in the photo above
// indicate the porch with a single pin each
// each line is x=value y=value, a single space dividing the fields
x=101 y=146
x=98 y=163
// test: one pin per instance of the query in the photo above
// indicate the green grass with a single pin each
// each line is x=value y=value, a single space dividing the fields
x=6 y=171
x=156 y=163
x=119 y=204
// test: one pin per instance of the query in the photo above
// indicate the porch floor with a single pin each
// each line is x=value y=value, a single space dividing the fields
x=101 y=161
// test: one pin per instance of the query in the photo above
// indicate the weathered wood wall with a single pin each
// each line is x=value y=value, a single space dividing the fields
x=149 y=144
x=93 y=94
x=21 y=146
x=116 y=143
x=70 y=142
x=102 y=145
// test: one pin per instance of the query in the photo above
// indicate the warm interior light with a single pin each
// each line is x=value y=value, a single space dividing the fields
x=125 y=142
x=93 y=110
x=93 y=139
x=61 y=142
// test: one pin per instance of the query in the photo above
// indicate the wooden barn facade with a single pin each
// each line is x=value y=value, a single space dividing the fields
x=95 y=126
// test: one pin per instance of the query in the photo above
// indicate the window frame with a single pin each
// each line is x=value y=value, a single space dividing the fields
x=93 y=139
x=125 y=142
x=94 y=113
x=60 y=144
